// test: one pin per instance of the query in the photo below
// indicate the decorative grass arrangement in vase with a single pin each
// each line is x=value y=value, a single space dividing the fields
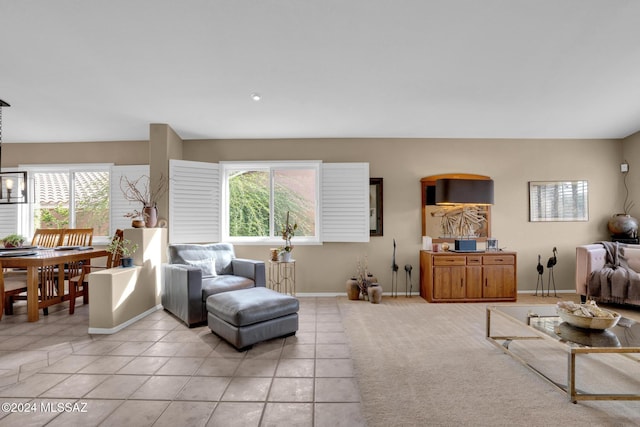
x=287 y=231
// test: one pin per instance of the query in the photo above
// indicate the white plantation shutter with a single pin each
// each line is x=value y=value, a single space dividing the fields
x=194 y=202
x=9 y=220
x=119 y=205
x=345 y=202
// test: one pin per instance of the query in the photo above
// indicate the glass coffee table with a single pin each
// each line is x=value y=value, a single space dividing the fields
x=508 y=324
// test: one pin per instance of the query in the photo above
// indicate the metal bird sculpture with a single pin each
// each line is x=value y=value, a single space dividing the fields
x=408 y=284
x=550 y=264
x=394 y=273
x=540 y=281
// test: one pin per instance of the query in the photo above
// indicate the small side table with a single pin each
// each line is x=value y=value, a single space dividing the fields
x=282 y=276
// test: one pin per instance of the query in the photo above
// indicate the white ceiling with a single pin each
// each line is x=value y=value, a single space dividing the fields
x=103 y=70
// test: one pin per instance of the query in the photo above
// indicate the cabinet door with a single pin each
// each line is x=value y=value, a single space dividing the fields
x=474 y=282
x=499 y=281
x=448 y=282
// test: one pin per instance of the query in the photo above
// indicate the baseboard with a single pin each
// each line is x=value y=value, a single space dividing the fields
x=560 y=291
x=344 y=294
x=107 y=331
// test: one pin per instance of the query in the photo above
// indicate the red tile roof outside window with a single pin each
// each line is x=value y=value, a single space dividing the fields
x=91 y=199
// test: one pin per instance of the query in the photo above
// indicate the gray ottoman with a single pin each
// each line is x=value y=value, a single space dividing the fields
x=247 y=316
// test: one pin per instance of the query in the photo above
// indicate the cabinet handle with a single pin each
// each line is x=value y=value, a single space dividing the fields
x=462 y=283
x=486 y=282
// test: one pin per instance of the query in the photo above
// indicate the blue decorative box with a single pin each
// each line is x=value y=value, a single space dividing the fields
x=465 y=245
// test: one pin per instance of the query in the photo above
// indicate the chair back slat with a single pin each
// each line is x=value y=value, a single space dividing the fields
x=113 y=260
x=48 y=237
x=77 y=237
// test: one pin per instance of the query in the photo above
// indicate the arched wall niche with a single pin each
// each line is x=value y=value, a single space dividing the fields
x=432 y=214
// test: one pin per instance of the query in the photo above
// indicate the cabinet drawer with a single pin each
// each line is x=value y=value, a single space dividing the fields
x=474 y=260
x=498 y=260
x=449 y=260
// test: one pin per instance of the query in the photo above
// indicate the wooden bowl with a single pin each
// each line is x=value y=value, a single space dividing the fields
x=589 y=322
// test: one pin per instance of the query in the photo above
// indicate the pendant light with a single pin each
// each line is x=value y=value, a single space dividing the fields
x=13 y=185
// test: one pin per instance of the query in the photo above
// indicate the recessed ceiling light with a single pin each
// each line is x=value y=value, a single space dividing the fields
x=256 y=96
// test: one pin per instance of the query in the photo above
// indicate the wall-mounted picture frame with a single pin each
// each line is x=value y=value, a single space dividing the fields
x=558 y=201
x=375 y=206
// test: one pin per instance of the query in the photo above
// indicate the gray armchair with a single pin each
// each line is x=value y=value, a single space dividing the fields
x=193 y=272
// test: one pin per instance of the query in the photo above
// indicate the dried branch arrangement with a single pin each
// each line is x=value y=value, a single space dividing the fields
x=140 y=189
x=460 y=221
x=363 y=275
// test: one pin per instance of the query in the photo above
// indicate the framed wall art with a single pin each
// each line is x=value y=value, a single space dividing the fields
x=558 y=201
x=375 y=206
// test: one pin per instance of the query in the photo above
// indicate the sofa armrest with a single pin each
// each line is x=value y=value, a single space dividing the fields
x=182 y=292
x=251 y=269
x=589 y=258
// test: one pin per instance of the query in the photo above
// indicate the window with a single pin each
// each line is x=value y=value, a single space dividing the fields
x=247 y=202
x=70 y=197
x=259 y=195
x=80 y=196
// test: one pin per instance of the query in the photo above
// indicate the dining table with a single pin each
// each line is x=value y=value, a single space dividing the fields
x=46 y=270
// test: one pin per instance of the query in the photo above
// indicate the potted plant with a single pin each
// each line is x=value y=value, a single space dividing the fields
x=13 y=241
x=125 y=248
x=287 y=231
x=140 y=190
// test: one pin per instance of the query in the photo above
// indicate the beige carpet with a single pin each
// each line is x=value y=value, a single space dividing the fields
x=421 y=364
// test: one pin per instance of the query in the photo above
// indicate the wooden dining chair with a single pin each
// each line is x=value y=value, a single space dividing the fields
x=15 y=283
x=79 y=284
x=48 y=237
x=44 y=238
x=77 y=237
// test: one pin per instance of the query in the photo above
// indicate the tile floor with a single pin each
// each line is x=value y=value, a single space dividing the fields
x=158 y=372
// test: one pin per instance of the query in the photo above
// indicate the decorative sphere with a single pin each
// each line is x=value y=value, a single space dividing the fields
x=623 y=225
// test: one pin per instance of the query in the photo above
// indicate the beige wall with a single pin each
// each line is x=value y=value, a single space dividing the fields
x=164 y=144
x=402 y=162
x=120 y=153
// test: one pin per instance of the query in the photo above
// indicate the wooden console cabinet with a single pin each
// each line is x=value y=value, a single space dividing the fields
x=468 y=277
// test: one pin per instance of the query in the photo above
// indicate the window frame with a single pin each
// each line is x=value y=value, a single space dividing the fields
x=227 y=167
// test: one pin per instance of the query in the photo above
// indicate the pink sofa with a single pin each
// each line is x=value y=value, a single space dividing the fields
x=590 y=258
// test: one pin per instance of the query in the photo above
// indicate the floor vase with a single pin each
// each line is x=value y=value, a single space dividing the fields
x=353 y=289
x=375 y=293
